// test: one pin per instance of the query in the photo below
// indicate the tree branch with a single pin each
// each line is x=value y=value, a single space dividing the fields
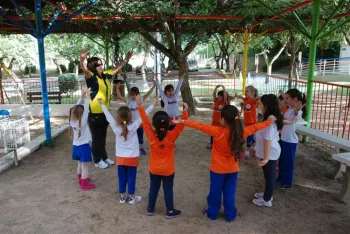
x=280 y=51
x=168 y=33
x=194 y=41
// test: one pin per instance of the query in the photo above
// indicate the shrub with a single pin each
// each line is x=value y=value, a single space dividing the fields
x=68 y=83
x=29 y=69
x=63 y=68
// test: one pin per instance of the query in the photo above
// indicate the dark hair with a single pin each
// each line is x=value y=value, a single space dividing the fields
x=134 y=90
x=168 y=87
x=231 y=116
x=160 y=122
x=280 y=97
x=221 y=93
x=77 y=113
x=124 y=116
x=91 y=65
x=295 y=93
x=272 y=107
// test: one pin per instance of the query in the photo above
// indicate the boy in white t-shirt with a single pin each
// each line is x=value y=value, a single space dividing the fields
x=131 y=101
x=267 y=148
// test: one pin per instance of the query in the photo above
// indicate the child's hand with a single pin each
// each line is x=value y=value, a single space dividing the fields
x=100 y=101
x=185 y=106
x=138 y=100
x=299 y=106
x=155 y=101
x=176 y=121
x=87 y=93
x=280 y=92
x=263 y=162
x=154 y=82
x=83 y=54
x=272 y=118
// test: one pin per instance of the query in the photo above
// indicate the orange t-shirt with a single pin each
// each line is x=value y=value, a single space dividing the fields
x=161 y=160
x=284 y=110
x=218 y=105
x=250 y=105
x=222 y=159
x=131 y=162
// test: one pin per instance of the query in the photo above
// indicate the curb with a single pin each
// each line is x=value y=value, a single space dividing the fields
x=8 y=160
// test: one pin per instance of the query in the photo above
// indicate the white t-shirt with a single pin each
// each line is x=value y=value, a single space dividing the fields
x=171 y=105
x=133 y=107
x=288 y=131
x=271 y=134
x=85 y=135
x=125 y=148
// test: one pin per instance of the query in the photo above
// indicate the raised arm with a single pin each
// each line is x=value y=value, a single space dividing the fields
x=239 y=96
x=178 y=87
x=83 y=56
x=119 y=96
x=150 y=91
x=174 y=134
x=138 y=121
x=122 y=63
x=109 y=117
x=215 y=91
x=250 y=130
x=151 y=135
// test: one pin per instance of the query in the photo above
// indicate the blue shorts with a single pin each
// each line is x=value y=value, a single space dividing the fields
x=82 y=153
x=250 y=140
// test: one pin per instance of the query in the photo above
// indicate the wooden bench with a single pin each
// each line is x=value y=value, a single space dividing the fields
x=342 y=160
x=54 y=97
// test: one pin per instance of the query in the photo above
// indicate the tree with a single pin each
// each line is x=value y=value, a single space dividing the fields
x=227 y=45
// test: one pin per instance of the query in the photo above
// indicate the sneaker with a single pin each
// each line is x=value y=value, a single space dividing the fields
x=109 y=162
x=260 y=202
x=261 y=195
x=142 y=151
x=150 y=212
x=209 y=146
x=122 y=200
x=284 y=187
x=134 y=200
x=172 y=214
x=101 y=164
x=247 y=153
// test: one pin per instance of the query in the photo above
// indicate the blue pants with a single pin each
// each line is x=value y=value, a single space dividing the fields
x=222 y=184
x=127 y=176
x=269 y=170
x=211 y=140
x=168 y=184
x=140 y=135
x=286 y=163
x=250 y=140
x=171 y=127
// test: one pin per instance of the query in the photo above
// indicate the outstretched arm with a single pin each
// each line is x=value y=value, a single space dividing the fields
x=239 y=96
x=150 y=91
x=178 y=87
x=250 y=130
x=122 y=63
x=119 y=96
x=109 y=117
x=83 y=56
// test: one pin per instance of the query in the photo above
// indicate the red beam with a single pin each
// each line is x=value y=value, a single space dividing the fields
x=342 y=15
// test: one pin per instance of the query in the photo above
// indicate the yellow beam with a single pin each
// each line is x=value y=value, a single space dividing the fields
x=258 y=36
x=234 y=36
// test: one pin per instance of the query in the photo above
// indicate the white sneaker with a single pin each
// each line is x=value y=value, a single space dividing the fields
x=247 y=153
x=134 y=200
x=109 y=162
x=261 y=202
x=261 y=194
x=122 y=200
x=101 y=164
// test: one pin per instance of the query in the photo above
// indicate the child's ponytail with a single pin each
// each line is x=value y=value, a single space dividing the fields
x=76 y=113
x=161 y=122
x=70 y=132
x=303 y=100
x=231 y=116
x=123 y=118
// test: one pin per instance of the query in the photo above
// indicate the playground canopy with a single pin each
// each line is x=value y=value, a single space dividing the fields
x=245 y=20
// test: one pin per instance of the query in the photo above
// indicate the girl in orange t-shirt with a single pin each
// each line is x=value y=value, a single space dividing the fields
x=251 y=101
x=221 y=99
x=227 y=147
x=161 y=163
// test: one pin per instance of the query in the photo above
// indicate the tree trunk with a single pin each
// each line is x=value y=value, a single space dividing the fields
x=222 y=61
x=58 y=66
x=227 y=60
x=217 y=60
x=186 y=92
x=269 y=69
x=76 y=69
x=291 y=68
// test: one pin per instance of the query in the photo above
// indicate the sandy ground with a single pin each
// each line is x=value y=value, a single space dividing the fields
x=42 y=196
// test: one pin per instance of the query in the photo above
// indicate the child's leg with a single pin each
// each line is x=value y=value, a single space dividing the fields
x=281 y=165
x=122 y=179
x=269 y=170
x=85 y=177
x=132 y=171
x=155 y=181
x=79 y=168
x=214 y=196
x=289 y=150
x=229 y=190
x=168 y=184
x=140 y=137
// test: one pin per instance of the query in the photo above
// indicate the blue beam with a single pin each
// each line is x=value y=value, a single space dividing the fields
x=23 y=15
x=57 y=13
x=70 y=17
x=40 y=39
x=17 y=24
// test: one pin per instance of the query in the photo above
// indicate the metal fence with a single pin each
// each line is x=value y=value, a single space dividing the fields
x=337 y=66
x=330 y=105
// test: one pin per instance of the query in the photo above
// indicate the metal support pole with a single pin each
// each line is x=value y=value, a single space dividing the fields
x=40 y=39
x=245 y=58
x=312 y=58
x=106 y=45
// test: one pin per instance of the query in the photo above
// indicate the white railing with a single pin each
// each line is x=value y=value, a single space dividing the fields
x=337 y=66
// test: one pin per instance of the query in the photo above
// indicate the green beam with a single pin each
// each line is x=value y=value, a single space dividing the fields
x=341 y=4
x=335 y=27
x=301 y=23
x=98 y=43
x=312 y=60
x=283 y=19
x=106 y=47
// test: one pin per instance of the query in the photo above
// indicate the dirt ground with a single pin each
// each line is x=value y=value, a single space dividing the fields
x=42 y=196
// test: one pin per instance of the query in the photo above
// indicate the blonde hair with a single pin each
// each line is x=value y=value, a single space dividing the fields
x=253 y=90
x=123 y=118
x=75 y=113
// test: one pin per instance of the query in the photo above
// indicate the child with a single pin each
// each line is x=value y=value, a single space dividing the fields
x=282 y=102
x=161 y=164
x=126 y=149
x=78 y=121
x=221 y=99
x=227 y=147
x=295 y=100
x=267 y=147
x=169 y=100
x=250 y=105
x=133 y=93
